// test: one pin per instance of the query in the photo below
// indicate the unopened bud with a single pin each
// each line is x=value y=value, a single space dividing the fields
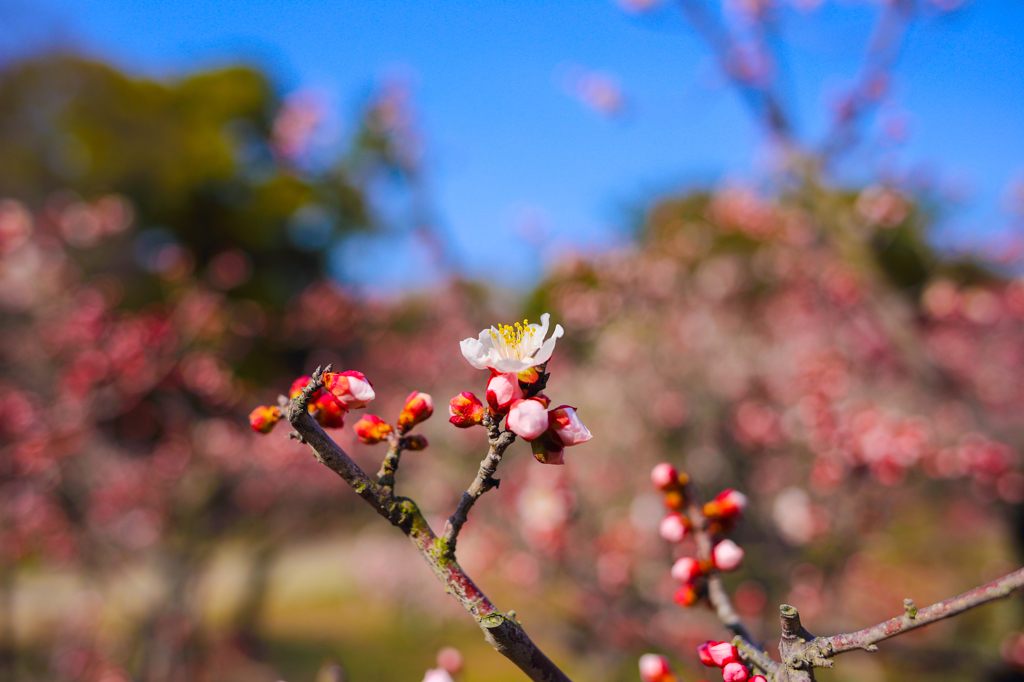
x=758 y=678
x=675 y=500
x=704 y=654
x=728 y=505
x=566 y=424
x=450 y=659
x=502 y=391
x=352 y=389
x=722 y=653
x=655 y=668
x=372 y=429
x=528 y=419
x=727 y=555
x=686 y=569
x=414 y=442
x=665 y=477
x=465 y=410
x=328 y=412
x=548 y=449
x=673 y=527
x=263 y=419
x=686 y=595
x=735 y=672
x=299 y=385
x=418 y=408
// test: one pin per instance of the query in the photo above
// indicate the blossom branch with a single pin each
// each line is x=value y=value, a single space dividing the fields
x=484 y=481
x=717 y=594
x=913 y=618
x=501 y=630
x=386 y=475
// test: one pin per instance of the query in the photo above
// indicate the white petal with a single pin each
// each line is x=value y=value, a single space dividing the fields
x=506 y=365
x=544 y=354
x=474 y=352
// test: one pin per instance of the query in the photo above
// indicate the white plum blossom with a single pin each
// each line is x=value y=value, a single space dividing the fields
x=512 y=348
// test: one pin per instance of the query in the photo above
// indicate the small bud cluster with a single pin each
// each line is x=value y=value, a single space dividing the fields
x=724 y=655
x=418 y=407
x=718 y=516
x=516 y=356
x=341 y=392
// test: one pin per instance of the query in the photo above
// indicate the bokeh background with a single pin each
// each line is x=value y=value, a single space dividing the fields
x=784 y=240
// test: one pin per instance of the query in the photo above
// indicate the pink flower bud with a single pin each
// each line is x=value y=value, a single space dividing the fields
x=418 y=408
x=328 y=412
x=437 y=675
x=263 y=419
x=351 y=388
x=727 y=555
x=466 y=410
x=673 y=527
x=527 y=418
x=415 y=442
x=450 y=659
x=686 y=570
x=548 y=449
x=728 y=505
x=704 y=654
x=665 y=477
x=735 y=672
x=686 y=595
x=758 y=678
x=502 y=391
x=722 y=653
x=300 y=384
x=655 y=668
x=566 y=424
x=371 y=429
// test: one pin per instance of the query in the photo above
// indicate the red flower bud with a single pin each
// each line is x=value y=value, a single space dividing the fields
x=727 y=555
x=372 y=429
x=414 y=442
x=502 y=391
x=735 y=672
x=665 y=477
x=263 y=418
x=758 y=678
x=567 y=426
x=686 y=595
x=673 y=527
x=727 y=506
x=466 y=410
x=528 y=419
x=704 y=654
x=299 y=384
x=328 y=412
x=655 y=668
x=686 y=570
x=352 y=389
x=418 y=408
x=722 y=653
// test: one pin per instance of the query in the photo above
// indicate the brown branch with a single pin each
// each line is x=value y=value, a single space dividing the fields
x=913 y=618
x=762 y=100
x=500 y=630
x=484 y=481
x=386 y=475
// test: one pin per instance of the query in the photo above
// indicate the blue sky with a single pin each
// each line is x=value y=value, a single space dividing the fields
x=506 y=144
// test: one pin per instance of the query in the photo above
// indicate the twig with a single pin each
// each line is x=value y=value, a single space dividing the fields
x=484 y=481
x=913 y=617
x=502 y=631
x=386 y=475
x=717 y=594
